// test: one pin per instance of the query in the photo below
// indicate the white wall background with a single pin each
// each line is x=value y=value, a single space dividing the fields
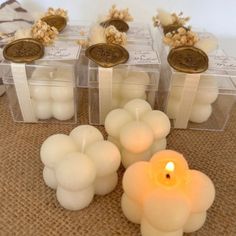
x=216 y=16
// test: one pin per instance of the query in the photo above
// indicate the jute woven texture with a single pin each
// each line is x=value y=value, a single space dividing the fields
x=28 y=207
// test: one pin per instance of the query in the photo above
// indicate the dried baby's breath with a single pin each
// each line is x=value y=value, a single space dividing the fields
x=115 y=36
x=56 y=12
x=122 y=14
x=44 y=33
x=181 y=37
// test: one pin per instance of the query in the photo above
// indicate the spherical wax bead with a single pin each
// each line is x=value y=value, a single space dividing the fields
x=43 y=109
x=105 y=156
x=115 y=120
x=75 y=200
x=49 y=177
x=132 y=88
x=195 y=222
x=166 y=210
x=84 y=135
x=40 y=92
x=64 y=75
x=137 y=107
x=141 y=77
x=200 y=190
x=62 y=94
x=129 y=158
x=55 y=148
x=124 y=101
x=200 y=113
x=136 y=136
x=148 y=230
x=159 y=161
x=63 y=110
x=207 y=90
x=172 y=108
x=136 y=181
x=106 y=184
x=207 y=95
x=158 y=145
x=131 y=209
x=75 y=172
x=159 y=122
x=41 y=73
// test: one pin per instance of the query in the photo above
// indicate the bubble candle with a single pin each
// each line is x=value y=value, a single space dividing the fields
x=79 y=166
x=165 y=197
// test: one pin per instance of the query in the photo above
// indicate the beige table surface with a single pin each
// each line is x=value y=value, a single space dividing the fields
x=28 y=207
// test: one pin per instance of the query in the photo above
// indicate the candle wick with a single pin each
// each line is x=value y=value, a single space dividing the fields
x=168 y=176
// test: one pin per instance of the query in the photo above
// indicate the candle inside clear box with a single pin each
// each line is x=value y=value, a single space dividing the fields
x=52 y=93
x=203 y=95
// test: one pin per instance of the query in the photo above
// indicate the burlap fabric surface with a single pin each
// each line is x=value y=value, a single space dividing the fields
x=28 y=207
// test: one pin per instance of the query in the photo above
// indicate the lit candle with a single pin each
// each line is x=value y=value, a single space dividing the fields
x=169 y=198
x=79 y=166
x=137 y=130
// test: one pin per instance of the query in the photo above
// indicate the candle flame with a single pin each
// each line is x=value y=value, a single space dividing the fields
x=170 y=166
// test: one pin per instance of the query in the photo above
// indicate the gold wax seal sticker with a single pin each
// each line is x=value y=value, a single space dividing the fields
x=107 y=55
x=59 y=22
x=188 y=59
x=120 y=25
x=23 y=50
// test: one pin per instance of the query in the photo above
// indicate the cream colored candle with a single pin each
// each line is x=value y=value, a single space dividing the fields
x=169 y=198
x=49 y=100
x=206 y=95
x=137 y=130
x=79 y=166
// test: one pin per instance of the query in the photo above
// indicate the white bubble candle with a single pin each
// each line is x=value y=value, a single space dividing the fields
x=53 y=94
x=165 y=197
x=202 y=97
x=137 y=130
x=79 y=166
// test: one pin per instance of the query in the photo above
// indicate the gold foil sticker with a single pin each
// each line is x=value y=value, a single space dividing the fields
x=188 y=59
x=58 y=22
x=107 y=55
x=23 y=50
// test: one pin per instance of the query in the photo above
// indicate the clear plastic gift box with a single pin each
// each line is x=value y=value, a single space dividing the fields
x=198 y=101
x=139 y=33
x=44 y=90
x=111 y=88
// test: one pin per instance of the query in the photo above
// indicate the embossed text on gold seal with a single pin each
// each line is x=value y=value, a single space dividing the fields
x=58 y=22
x=120 y=25
x=23 y=50
x=188 y=59
x=107 y=55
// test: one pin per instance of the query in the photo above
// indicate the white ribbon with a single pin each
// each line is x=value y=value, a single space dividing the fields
x=187 y=99
x=105 y=92
x=23 y=92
